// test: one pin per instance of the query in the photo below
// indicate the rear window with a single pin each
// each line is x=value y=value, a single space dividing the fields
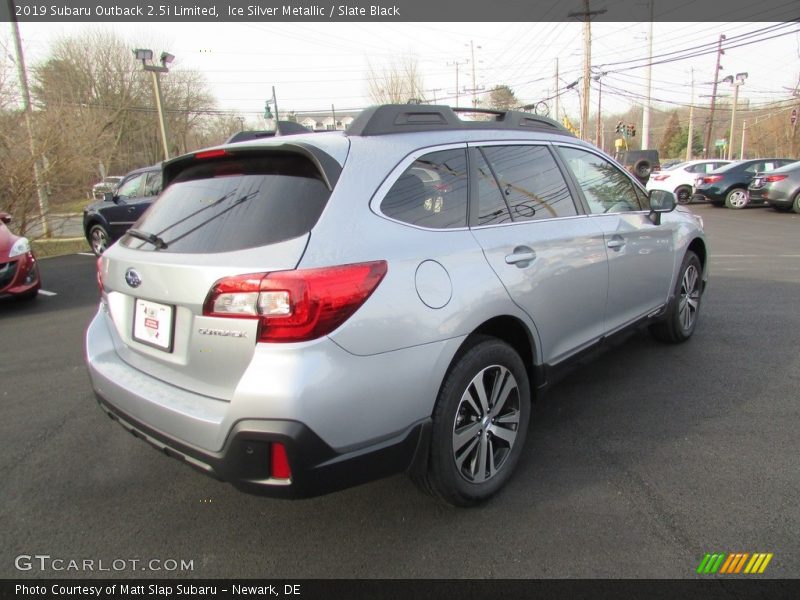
x=234 y=204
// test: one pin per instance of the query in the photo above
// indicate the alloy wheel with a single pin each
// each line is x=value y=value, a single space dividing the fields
x=737 y=199
x=486 y=424
x=689 y=299
x=99 y=240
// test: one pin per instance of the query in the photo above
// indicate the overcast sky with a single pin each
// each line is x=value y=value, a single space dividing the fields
x=314 y=65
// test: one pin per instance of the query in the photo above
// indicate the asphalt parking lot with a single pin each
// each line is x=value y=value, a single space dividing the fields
x=637 y=464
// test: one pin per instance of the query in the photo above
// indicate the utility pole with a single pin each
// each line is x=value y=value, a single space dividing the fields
x=646 y=113
x=26 y=100
x=598 y=132
x=690 y=139
x=720 y=52
x=555 y=88
x=587 y=60
x=474 y=86
x=457 y=65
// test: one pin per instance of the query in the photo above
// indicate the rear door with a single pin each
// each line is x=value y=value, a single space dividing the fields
x=124 y=212
x=550 y=258
x=640 y=253
x=247 y=213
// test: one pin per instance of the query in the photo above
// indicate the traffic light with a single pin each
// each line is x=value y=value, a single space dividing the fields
x=620 y=127
x=267 y=111
x=633 y=130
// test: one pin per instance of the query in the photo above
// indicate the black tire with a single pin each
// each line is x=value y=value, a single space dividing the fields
x=642 y=168
x=680 y=320
x=737 y=198
x=796 y=203
x=683 y=194
x=462 y=475
x=98 y=239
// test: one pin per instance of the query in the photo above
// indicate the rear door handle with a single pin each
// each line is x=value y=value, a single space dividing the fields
x=616 y=243
x=522 y=256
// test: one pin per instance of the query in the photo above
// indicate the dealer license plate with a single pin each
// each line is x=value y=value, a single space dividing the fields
x=153 y=324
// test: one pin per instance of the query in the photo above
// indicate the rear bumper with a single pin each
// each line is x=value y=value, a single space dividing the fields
x=316 y=468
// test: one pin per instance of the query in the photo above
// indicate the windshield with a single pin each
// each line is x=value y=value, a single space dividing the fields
x=234 y=203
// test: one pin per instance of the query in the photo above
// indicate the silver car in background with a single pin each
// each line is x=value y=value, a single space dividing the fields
x=299 y=314
x=779 y=188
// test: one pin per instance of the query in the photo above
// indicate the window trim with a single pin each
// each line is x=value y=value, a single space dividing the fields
x=401 y=167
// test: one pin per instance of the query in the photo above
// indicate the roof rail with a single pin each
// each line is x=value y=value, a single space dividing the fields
x=403 y=118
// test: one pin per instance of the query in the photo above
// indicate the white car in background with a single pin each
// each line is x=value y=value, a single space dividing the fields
x=680 y=178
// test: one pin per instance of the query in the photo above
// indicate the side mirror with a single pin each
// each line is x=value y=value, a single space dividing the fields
x=110 y=197
x=661 y=202
x=6 y=218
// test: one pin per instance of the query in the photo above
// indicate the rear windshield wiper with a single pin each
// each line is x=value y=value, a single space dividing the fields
x=148 y=237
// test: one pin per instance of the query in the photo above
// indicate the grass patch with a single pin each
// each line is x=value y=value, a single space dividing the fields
x=73 y=207
x=59 y=247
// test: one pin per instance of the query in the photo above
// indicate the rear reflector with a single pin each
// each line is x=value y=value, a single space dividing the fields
x=296 y=306
x=279 y=462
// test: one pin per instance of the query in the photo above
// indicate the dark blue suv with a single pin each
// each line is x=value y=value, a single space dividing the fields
x=106 y=221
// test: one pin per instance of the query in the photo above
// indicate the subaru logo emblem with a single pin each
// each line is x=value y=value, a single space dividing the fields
x=132 y=278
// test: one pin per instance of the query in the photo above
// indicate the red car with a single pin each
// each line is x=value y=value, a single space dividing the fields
x=19 y=273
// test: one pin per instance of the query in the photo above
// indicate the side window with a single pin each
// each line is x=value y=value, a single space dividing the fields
x=531 y=182
x=770 y=165
x=153 y=185
x=492 y=207
x=432 y=192
x=132 y=187
x=701 y=168
x=606 y=188
x=754 y=167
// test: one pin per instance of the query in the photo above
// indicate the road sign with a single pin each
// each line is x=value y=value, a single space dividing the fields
x=793 y=118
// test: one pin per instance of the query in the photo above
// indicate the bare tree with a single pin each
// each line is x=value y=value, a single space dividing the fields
x=396 y=83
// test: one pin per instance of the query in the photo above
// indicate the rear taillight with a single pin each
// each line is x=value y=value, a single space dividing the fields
x=100 y=284
x=660 y=177
x=295 y=306
x=774 y=178
x=710 y=179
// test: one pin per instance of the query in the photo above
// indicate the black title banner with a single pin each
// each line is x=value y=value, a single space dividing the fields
x=393 y=10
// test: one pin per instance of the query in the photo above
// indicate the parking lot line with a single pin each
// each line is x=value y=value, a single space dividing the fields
x=85 y=254
x=47 y=293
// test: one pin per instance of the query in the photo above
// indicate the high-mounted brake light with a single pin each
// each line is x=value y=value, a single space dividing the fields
x=774 y=178
x=296 y=306
x=210 y=154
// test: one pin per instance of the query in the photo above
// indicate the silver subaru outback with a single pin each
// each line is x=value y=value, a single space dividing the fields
x=302 y=313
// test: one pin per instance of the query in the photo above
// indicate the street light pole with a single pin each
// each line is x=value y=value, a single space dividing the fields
x=166 y=58
x=740 y=79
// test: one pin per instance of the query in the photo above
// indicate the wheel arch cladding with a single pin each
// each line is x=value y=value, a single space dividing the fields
x=512 y=331
x=699 y=248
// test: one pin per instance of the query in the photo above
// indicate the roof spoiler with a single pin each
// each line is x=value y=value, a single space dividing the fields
x=281 y=128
